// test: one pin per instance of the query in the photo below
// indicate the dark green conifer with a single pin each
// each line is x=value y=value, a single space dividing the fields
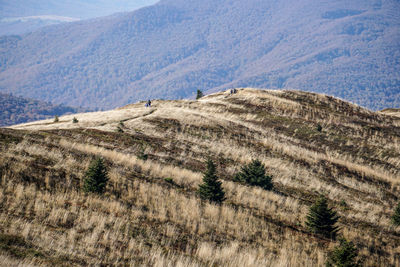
x=396 y=215
x=96 y=177
x=254 y=174
x=56 y=119
x=211 y=188
x=199 y=94
x=344 y=255
x=75 y=120
x=321 y=219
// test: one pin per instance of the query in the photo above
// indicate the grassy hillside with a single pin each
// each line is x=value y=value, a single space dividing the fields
x=151 y=215
x=392 y=111
x=14 y=110
x=168 y=50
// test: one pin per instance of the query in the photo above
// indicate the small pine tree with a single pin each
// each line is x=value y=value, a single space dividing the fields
x=319 y=128
x=254 y=174
x=75 y=120
x=211 y=188
x=142 y=155
x=199 y=94
x=96 y=177
x=396 y=215
x=344 y=255
x=119 y=129
x=321 y=219
x=56 y=119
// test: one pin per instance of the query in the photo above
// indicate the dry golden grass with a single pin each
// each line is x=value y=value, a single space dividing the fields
x=106 y=223
x=391 y=112
x=145 y=219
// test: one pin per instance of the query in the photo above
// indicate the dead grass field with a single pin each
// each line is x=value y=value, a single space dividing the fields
x=145 y=219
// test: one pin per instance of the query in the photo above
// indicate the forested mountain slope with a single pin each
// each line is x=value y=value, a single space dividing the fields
x=14 y=110
x=346 y=49
x=151 y=213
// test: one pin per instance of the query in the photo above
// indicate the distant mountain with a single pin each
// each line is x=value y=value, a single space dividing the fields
x=22 y=16
x=69 y=8
x=19 y=25
x=15 y=110
x=168 y=50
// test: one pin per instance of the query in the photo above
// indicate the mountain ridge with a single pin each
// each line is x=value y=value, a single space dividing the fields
x=293 y=98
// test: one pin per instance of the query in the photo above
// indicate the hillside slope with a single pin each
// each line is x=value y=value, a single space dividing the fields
x=14 y=110
x=346 y=49
x=391 y=111
x=151 y=215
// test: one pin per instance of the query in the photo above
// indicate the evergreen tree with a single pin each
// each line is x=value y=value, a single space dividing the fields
x=211 y=188
x=56 y=119
x=396 y=215
x=75 y=120
x=321 y=219
x=96 y=177
x=199 y=94
x=343 y=255
x=119 y=129
x=254 y=174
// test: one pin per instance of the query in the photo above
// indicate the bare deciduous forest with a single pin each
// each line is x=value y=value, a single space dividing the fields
x=168 y=50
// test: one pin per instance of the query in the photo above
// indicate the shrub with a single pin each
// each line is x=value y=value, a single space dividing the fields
x=169 y=180
x=319 y=128
x=199 y=94
x=56 y=119
x=142 y=155
x=75 y=120
x=211 y=188
x=96 y=177
x=321 y=219
x=396 y=215
x=343 y=204
x=254 y=174
x=343 y=255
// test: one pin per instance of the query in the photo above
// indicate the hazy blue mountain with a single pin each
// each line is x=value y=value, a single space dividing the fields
x=350 y=49
x=68 y=8
x=23 y=16
x=20 y=25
